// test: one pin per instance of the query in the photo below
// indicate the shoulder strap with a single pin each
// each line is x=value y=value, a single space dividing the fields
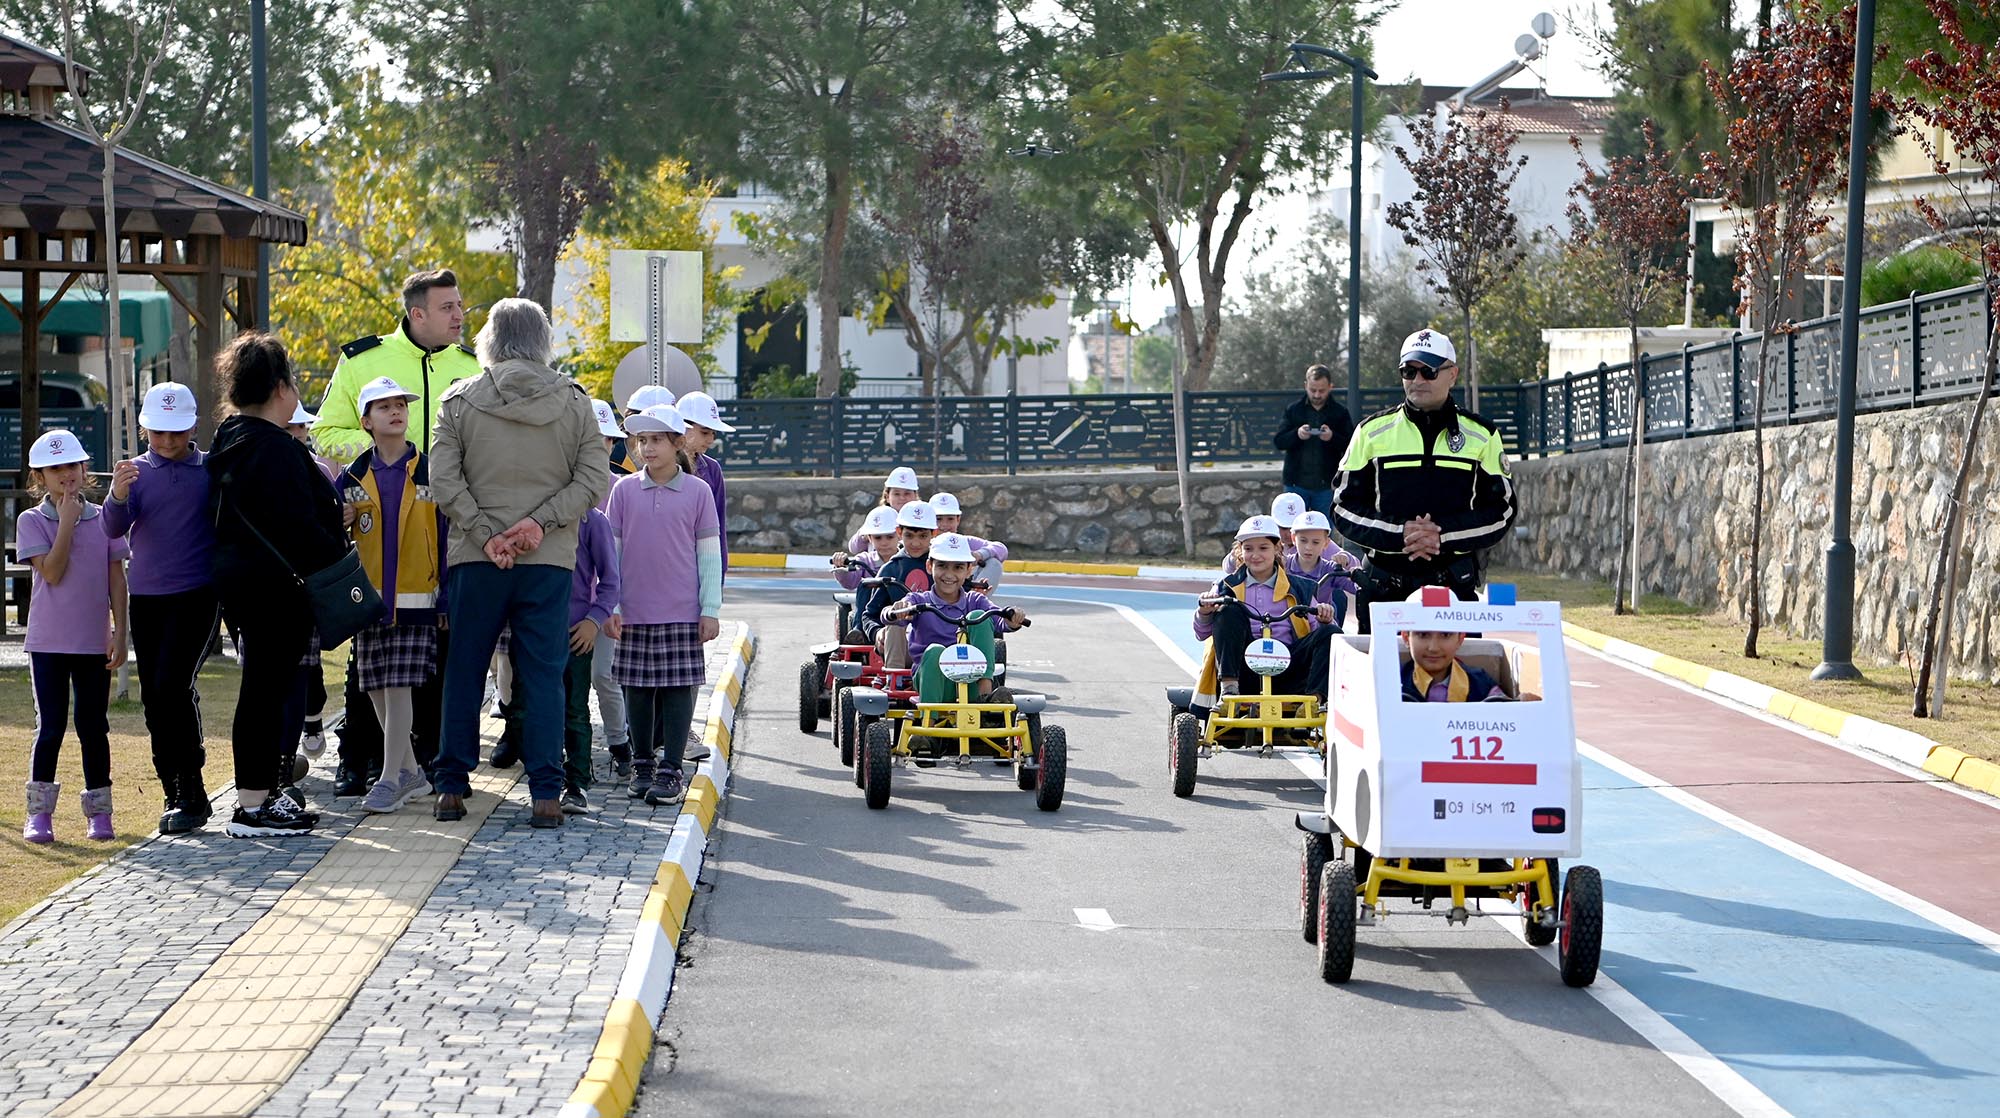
x=275 y=553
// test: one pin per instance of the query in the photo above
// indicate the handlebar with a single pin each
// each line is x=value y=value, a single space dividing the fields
x=968 y=619
x=1268 y=619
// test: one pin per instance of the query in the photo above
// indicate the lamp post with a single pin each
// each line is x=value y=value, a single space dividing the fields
x=1360 y=73
x=1837 y=640
x=260 y=151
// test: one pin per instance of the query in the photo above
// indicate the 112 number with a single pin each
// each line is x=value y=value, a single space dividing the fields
x=1476 y=748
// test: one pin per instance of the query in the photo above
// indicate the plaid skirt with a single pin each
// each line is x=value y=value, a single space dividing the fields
x=505 y=644
x=311 y=658
x=395 y=656
x=663 y=655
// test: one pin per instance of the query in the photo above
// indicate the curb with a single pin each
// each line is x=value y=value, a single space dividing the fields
x=611 y=1082
x=776 y=562
x=1894 y=742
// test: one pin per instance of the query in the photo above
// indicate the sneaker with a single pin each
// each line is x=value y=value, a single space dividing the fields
x=292 y=794
x=387 y=795
x=1227 y=687
x=275 y=819
x=642 y=778
x=695 y=751
x=621 y=759
x=667 y=788
x=574 y=802
x=314 y=743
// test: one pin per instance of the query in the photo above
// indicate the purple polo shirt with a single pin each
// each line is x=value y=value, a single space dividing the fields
x=165 y=515
x=1262 y=598
x=389 y=481
x=657 y=526
x=710 y=472
x=593 y=588
x=73 y=616
x=927 y=629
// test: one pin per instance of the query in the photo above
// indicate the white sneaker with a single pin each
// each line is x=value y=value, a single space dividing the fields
x=313 y=744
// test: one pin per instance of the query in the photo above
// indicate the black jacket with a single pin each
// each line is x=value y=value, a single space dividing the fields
x=1449 y=465
x=257 y=471
x=1312 y=463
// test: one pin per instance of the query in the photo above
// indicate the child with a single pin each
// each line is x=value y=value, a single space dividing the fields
x=643 y=397
x=1261 y=585
x=951 y=565
x=703 y=418
x=1312 y=537
x=915 y=524
x=670 y=576
x=1286 y=508
x=1434 y=674
x=401 y=534
x=988 y=554
x=76 y=632
x=159 y=501
x=593 y=595
x=610 y=696
x=878 y=530
x=899 y=489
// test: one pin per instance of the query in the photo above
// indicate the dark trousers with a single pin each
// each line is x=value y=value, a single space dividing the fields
x=533 y=599
x=273 y=630
x=1306 y=674
x=1377 y=585
x=360 y=730
x=576 y=719
x=59 y=677
x=171 y=635
x=660 y=717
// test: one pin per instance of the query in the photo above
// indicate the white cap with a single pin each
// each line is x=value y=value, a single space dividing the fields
x=56 y=448
x=881 y=521
x=1258 y=526
x=1309 y=521
x=382 y=388
x=902 y=477
x=607 y=419
x=647 y=396
x=659 y=417
x=301 y=416
x=1286 y=507
x=951 y=548
x=1431 y=348
x=168 y=407
x=945 y=504
x=917 y=514
x=699 y=407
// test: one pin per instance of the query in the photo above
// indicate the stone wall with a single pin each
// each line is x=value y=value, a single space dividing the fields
x=1694 y=528
x=1118 y=514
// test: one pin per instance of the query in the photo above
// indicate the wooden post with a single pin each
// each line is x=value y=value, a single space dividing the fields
x=208 y=332
x=31 y=366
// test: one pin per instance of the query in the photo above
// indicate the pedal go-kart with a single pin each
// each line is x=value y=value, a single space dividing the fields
x=947 y=721
x=1259 y=720
x=1451 y=801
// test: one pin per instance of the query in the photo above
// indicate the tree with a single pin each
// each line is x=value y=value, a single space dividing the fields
x=1959 y=95
x=1459 y=221
x=931 y=215
x=374 y=220
x=1654 y=52
x=1552 y=289
x=1288 y=319
x=1786 y=148
x=1632 y=217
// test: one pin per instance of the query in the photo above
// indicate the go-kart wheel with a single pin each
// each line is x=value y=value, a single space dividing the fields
x=825 y=696
x=1183 y=753
x=809 y=678
x=875 y=767
x=1336 y=922
x=842 y=612
x=1538 y=933
x=1052 y=750
x=845 y=726
x=1581 y=937
x=1024 y=777
x=1314 y=853
x=854 y=751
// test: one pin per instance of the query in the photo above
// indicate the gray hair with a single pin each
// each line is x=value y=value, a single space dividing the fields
x=515 y=330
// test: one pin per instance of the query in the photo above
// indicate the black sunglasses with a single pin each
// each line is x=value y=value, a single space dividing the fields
x=1412 y=372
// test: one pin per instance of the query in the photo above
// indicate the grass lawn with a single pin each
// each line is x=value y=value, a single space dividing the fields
x=1972 y=707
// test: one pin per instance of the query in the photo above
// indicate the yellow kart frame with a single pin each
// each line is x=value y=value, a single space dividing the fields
x=1260 y=717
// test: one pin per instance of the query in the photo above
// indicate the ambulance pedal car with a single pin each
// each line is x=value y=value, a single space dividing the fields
x=1259 y=720
x=1451 y=802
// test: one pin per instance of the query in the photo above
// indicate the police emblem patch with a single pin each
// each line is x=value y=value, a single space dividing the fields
x=366 y=523
x=1456 y=441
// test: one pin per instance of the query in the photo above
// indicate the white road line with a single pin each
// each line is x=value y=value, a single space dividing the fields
x=1096 y=919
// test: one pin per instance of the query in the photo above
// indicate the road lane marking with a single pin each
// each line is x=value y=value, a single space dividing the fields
x=1096 y=919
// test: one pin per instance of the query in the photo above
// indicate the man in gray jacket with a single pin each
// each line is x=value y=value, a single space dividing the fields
x=516 y=463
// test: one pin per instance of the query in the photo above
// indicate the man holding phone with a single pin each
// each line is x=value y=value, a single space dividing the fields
x=1313 y=434
x=1424 y=488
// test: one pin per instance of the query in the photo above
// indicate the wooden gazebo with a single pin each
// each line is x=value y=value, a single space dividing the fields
x=198 y=239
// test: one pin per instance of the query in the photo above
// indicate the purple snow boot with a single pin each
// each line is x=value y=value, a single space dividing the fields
x=97 y=809
x=41 y=806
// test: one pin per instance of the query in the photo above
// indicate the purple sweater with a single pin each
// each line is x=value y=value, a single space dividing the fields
x=593 y=588
x=166 y=516
x=927 y=629
x=710 y=471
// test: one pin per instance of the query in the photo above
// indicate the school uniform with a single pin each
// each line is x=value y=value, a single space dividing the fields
x=670 y=577
x=173 y=610
x=928 y=629
x=908 y=574
x=1330 y=585
x=1456 y=684
x=1229 y=631
x=710 y=472
x=400 y=535
x=610 y=696
x=850 y=579
x=68 y=639
x=593 y=595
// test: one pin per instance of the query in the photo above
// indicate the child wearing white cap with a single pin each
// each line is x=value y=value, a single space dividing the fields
x=704 y=420
x=898 y=489
x=159 y=501
x=1285 y=509
x=951 y=565
x=988 y=554
x=907 y=573
x=1316 y=559
x=1262 y=585
x=76 y=632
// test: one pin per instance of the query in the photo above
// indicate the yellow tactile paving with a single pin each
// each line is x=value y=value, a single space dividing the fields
x=251 y=1019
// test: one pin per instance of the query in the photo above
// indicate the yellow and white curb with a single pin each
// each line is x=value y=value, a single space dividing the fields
x=774 y=562
x=612 y=1079
x=1893 y=742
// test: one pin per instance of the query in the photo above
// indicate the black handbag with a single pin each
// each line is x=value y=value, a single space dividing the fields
x=343 y=601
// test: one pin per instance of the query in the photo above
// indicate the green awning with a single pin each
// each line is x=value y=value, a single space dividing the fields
x=142 y=316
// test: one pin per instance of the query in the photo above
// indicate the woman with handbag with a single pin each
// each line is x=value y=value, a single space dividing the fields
x=277 y=527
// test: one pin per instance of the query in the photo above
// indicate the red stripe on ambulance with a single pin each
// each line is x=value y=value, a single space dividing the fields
x=1477 y=772
x=1347 y=728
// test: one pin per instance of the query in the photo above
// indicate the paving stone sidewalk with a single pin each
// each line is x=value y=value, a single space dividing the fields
x=489 y=1003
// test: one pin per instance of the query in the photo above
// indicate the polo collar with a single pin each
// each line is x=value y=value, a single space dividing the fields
x=674 y=483
x=195 y=457
x=48 y=509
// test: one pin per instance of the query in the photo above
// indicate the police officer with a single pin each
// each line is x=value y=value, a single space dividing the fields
x=1424 y=487
x=423 y=355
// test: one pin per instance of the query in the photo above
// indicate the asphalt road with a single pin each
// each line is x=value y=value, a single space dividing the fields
x=929 y=959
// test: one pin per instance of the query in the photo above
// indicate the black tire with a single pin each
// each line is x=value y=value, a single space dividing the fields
x=875 y=767
x=1539 y=934
x=809 y=697
x=1052 y=769
x=1024 y=776
x=851 y=756
x=1314 y=853
x=825 y=695
x=1336 y=922
x=1184 y=753
x=1582 y=934
x=846 y=724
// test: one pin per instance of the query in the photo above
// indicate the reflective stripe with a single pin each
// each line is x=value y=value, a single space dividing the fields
x=416 y=601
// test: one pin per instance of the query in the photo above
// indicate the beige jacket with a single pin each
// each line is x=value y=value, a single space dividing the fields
x=517 y=442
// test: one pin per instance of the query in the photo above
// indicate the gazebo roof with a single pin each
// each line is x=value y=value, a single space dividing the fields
x=23 y=64
x=55 y=184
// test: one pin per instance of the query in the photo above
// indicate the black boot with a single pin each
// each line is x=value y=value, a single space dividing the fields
x=194 y=798
x=348 y=782
x=172 y=821
x=508 y=749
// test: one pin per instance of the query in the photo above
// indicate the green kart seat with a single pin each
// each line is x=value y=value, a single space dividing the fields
x=932 y=686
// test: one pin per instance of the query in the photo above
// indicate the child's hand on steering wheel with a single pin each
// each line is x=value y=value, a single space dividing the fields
x=1207 y=606
x=1324 y=612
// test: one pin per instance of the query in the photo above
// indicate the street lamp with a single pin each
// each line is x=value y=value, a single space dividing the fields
x=260 y=153
x=1360 y=73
